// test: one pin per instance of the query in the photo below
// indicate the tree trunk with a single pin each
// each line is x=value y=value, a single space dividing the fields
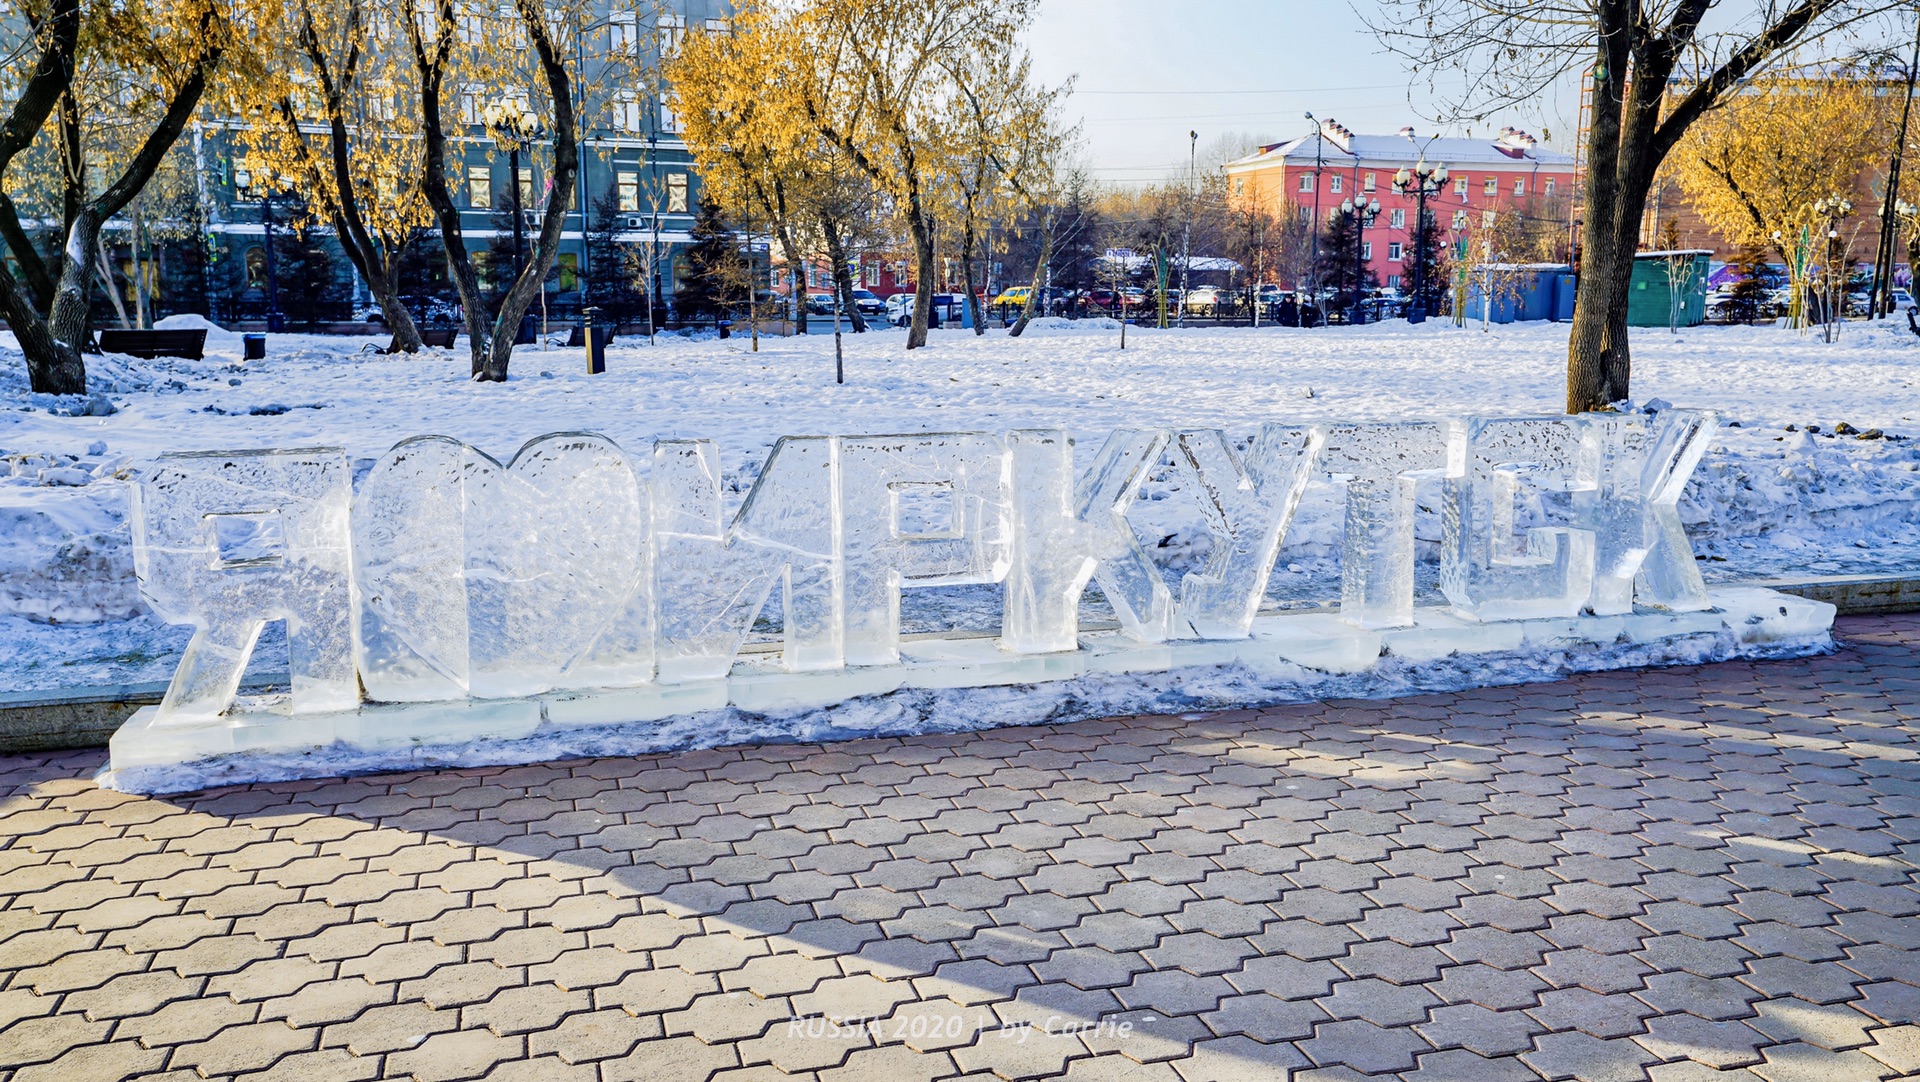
x=566 y=163
x=31 y=265
x=104 y=268
x=142 y=307
x=842 y=277
x=966 y=276
x=1591 y=367
x=792 y=252
x=1039 y=275
x=922 y=231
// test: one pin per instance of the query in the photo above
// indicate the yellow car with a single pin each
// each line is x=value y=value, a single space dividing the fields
x=1014 y=295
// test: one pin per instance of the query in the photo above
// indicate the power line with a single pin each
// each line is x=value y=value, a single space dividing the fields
x=1284 y=90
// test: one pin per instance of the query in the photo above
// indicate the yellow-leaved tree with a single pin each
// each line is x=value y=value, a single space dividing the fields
x=460 y=51
x=326 y=115
x=105 y=89
x=1761 y=170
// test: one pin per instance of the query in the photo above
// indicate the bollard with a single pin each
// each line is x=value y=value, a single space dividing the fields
x=596 y=348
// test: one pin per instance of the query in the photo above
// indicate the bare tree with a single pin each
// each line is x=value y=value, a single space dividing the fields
x=1655 y=71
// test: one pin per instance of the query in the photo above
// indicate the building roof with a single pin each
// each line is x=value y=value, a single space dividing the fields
x=1334 y=144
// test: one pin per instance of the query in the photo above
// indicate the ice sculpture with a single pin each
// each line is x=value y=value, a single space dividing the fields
x=491 y=581
x=1486 y=570
x=1247 y=510
x=711 y=581
x=1380 y=464
x=1066 y=533
x=919 y=510
x=227 y=541
x=1632 y=507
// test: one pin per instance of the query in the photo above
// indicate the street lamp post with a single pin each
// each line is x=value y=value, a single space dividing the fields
x=513 y=125
x=1363 y=214
x=1424 y=181
x=1313 y=267
x=242 y=184
x=1830 y=212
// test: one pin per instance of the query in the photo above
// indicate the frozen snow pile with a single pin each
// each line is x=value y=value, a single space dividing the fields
x=1768 y=501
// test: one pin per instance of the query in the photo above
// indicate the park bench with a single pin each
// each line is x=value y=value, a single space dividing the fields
x=150 y=344
x=441 y=337
x=602 y=331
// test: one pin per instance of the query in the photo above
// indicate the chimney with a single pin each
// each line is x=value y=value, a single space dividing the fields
x=1336 y=133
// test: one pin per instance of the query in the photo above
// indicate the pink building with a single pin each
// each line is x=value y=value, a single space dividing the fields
x=1484 y=177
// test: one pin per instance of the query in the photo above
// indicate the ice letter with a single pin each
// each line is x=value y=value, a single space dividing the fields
x=1064 y=533
x=1632 y=508
x=1485 y=570
x=488 y=580
x=711 y=582
x=229 y=541
x=1248 y=510
x=926 y=510
x=1380 y=463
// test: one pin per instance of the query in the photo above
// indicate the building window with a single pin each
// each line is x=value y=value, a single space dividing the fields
x=1393 y=281
x=1486 y=219
x=1393 y=251
x=479 y=187
x=1460 y=187
x=1239 y=185
x=526 y=187
x=1367 y=182
x=1366 y=251
x=1492 y=186
x=628 y=185
x=625 y=30
x=1519 y=188
x=1548 y=190
x=719 y=26
x=1333 y=183
x=470 y=103
x=569 y=267
x=1399 y=218
x=256 y=261
x=1459 y=219
x=671 y=28
x=676 y=193
x=669 y=121
x=626 y=112
x=1306 y=182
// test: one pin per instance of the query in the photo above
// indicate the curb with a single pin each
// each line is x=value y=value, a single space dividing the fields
x=86 y=717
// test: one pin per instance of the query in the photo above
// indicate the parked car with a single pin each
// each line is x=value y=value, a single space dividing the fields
x=868 y=303
x=1014 y=296
x=819 y=304
x=1204 y=300
x=1902 y=300
x=946 y=308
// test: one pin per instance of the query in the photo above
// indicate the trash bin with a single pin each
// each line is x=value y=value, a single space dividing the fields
x=596 y=343
x=253 y=347
x=726 y=327
x=529 y=330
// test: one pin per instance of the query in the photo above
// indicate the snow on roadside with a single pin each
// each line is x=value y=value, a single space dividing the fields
x=1766 y=501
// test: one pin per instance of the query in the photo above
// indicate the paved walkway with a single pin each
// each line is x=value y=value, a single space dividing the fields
x=1683 y=874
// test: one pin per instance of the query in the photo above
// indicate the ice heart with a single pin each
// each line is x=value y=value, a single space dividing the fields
x=491 y=581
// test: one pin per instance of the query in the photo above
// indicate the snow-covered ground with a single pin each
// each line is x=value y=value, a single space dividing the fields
x=1767 y=501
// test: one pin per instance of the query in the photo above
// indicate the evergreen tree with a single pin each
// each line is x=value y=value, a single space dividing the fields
x=309 y=284
x=617 y=285
x=1748 y=297
x=1338 y=268
x=716 y=271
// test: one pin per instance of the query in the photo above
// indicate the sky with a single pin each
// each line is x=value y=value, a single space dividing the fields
x=1148 y=72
